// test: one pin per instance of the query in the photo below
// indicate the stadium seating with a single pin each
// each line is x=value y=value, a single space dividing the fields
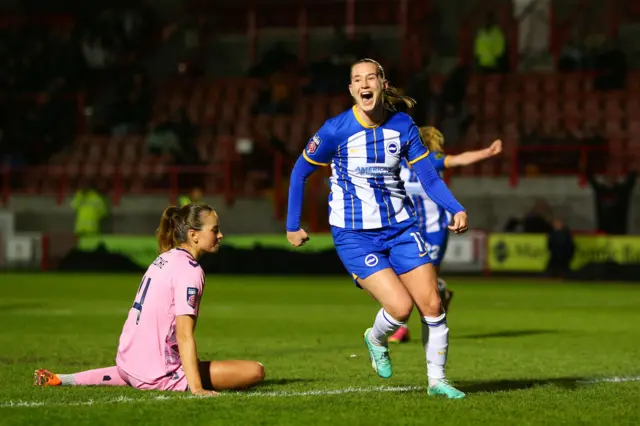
x=504 y=107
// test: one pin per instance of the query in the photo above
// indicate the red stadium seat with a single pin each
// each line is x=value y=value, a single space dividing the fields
x=571 y=108
x=613 y=106
x=490 y=110
x=473 y=87
x=572 y=85
x=511 y=107
x=592 y=111
x=613 y=129
x=551 y=85
x=492 y=86
x=531 y=112
x=530 y=86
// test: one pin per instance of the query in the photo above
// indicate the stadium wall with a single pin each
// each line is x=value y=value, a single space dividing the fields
x=597 y=256
x=490 y=202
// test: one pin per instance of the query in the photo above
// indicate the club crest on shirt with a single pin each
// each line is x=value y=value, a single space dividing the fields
x=393 y=148
x=192 y=296
x=439 y=155
x=313 y=144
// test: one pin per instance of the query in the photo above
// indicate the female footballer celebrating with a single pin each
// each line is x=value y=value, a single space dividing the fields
x=372 y=220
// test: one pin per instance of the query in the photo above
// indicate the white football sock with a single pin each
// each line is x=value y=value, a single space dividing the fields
x=383 y=327
x=67 y=379
x=435 y=338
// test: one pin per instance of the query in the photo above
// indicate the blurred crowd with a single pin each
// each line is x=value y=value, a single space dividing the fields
x=90 y=69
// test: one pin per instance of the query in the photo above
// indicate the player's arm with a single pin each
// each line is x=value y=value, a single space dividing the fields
x=318 y=152
x=187 y=293
x=185 y=327
x=435 y=188
x=471 y=157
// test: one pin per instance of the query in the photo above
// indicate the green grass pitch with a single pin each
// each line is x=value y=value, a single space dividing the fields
x=526 y=352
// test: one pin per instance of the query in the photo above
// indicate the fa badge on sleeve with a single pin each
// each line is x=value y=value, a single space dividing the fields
x=313 y=144
x=192 y=296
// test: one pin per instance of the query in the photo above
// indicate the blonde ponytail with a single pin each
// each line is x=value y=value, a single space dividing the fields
x=432 y=138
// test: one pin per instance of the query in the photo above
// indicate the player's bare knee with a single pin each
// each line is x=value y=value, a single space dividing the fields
x=434 y=307
x=400 y=310
x=431 y=307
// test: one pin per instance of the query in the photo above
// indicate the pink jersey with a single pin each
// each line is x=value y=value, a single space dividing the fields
x=172 y=286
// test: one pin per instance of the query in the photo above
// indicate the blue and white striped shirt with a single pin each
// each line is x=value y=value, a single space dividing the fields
x=366 y=189
x=431 y=217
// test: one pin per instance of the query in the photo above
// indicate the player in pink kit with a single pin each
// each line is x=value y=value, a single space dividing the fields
x=157 y=347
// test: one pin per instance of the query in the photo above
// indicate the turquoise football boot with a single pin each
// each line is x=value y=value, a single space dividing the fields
x=443 y=388
x=379 y=357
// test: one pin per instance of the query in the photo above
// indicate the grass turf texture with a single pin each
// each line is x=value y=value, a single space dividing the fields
x=519 y=348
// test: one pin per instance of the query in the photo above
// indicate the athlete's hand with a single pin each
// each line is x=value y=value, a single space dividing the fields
x=297 y=238
x=495 y=148
x=459 y=225
x=204 y=392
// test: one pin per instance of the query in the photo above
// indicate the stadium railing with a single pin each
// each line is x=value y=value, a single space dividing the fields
x=172 y=181
x=227 y=177
x=574 y=161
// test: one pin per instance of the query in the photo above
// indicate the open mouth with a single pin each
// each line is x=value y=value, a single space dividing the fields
x=366 y=96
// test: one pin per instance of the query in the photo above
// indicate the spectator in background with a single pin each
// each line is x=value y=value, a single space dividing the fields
x=452 y=113
x=91 y=208
x=561 y=249
x=612 y=203
x=162 y=138
x=195 y=197
x=612 y=63
x=538 y=219
x=490 y=45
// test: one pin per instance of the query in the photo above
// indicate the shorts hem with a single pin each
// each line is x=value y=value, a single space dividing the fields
x=412 y=267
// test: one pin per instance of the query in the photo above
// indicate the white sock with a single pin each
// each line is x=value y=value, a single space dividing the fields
x=383 y=327
x=435 y=338
x=67 y=379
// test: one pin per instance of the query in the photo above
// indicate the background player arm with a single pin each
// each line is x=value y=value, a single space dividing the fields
x=435 y=188
x=471 y=157
x=318 y=152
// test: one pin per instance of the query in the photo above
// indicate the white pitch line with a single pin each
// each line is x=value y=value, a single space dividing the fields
x=279 y=394
x=609 y=380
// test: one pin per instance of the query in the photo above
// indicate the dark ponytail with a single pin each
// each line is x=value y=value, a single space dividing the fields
x=175 y=224
x=390 y=95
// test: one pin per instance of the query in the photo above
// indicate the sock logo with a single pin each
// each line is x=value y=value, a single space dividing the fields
x=371 y=260
x=106 y=379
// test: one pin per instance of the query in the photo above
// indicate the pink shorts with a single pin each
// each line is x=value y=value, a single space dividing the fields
x=175 y=382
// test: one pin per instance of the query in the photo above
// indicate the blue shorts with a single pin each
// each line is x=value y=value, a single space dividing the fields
x=400 y=247
x=437 y=245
